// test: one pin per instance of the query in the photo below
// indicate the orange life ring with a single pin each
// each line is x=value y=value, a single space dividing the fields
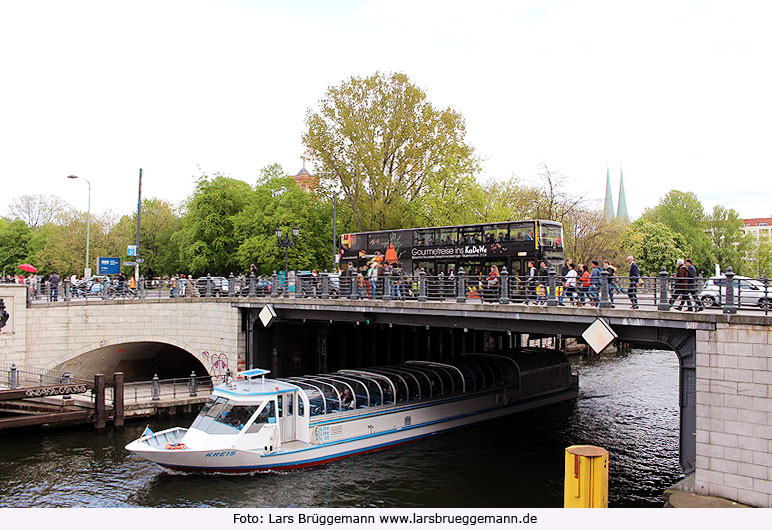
x=176 y=445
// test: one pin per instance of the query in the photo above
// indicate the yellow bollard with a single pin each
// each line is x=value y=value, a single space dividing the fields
x=586 y=478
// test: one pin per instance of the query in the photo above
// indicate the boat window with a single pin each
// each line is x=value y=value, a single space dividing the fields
x=316 y=401
x=436 y=382
x=469 y=378
x=399 y=383
x=236 y=416
x=361 y=392
x=427 y=385
x=476 y=374
x=386 y=385
x=487 y=373
x=411 y=382
x=208 y=405
x=267 y=415
x=330 y=394
x=289 y=399
x=216 y=407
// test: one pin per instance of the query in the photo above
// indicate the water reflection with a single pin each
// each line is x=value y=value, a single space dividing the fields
x=628 y=404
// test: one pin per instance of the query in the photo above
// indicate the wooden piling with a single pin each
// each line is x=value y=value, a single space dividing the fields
x=100 y=412
x=118 y=412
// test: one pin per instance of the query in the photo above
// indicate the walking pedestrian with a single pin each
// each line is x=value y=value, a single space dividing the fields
x=530 y=283
x=541 y=290
x=53 y=284
x=569 y=286
x=635 y=275
x=595 y=283
x=693 y=285
x=613 y=286
x=681 y=287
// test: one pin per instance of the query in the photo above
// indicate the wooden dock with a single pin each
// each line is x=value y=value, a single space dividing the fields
x=99 y=402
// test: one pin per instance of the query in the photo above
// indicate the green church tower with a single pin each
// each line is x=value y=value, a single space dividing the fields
x=608 y=206
x=622 y=204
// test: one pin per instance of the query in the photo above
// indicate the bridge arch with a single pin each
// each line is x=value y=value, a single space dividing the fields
x=140 y=360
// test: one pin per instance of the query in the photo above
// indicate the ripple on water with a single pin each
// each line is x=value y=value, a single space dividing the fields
x=628 y=404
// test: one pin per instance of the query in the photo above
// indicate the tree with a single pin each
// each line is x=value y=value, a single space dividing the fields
x=760 y=258
x=14 y=245
x=684 y=214
x=62 y=247
x=160 y=221
x=387 y=147
x=654 y=245
x=208 y=241
x=730 y=245
x=279 y=202
x=37 y=210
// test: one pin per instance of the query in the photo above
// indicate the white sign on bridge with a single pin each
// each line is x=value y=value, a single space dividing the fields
x=599 y=335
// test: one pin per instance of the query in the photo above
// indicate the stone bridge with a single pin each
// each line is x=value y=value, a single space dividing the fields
x=725 y=360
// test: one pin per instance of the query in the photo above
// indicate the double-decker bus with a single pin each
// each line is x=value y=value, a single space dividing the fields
x=441 y=249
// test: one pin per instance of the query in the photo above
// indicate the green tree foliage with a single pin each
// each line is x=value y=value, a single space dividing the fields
x=62 y=247
x=279 y=202
x=760 y=258
x=208 y=241
x=160 y=221
x=14 y=245
x=730 y=245
x=389 y=149
x=684 y=214
x=654 y=245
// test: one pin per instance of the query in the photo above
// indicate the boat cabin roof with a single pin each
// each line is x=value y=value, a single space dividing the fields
x=252 y=386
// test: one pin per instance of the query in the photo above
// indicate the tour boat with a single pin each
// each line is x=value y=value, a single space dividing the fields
x=254 y=423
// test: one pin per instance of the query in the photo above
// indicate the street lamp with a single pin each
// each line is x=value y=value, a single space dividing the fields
x=88 y=224
x=286 y=242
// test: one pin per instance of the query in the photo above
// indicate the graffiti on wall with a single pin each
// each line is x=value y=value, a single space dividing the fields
x=218 y=363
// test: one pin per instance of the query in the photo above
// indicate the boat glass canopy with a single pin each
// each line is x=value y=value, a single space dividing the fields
x=400 y=383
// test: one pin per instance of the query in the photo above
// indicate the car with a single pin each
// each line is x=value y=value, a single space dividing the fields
x=91 y=286
x=312 y=287
x=747 y=291
x=219 y=286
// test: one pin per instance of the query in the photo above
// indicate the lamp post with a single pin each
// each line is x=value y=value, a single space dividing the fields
x=286 y=242
x=87 y=270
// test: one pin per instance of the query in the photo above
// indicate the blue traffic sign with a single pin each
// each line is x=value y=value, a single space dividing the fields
x=108 y=265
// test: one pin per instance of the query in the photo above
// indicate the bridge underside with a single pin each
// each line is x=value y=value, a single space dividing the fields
x=139 y=361
x=313 y=337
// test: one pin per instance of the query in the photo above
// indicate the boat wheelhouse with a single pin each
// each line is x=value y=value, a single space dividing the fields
x=255 y=423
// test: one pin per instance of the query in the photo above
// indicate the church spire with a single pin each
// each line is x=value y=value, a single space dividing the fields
x=622 y=204
x=608 y=206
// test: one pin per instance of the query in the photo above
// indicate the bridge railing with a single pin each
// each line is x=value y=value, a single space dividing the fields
x=13 y=376
x=662 y=292
x=163 y=389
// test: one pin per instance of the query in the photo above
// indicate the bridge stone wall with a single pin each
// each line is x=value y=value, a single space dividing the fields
x=13 y=336
x=46 y=335
x=734 y=413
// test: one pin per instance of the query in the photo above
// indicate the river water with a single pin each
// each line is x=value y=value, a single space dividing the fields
x=628 y=404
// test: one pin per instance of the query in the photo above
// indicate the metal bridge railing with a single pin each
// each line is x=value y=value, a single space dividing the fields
x=13 y=377
x=661 y=292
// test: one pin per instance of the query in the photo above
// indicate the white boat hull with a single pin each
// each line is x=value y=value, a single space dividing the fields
x=342 y=435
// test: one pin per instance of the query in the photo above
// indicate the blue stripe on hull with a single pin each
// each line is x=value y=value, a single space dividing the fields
x=338 y=456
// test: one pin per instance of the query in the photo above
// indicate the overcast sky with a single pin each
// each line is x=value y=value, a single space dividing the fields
x=676 y=93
